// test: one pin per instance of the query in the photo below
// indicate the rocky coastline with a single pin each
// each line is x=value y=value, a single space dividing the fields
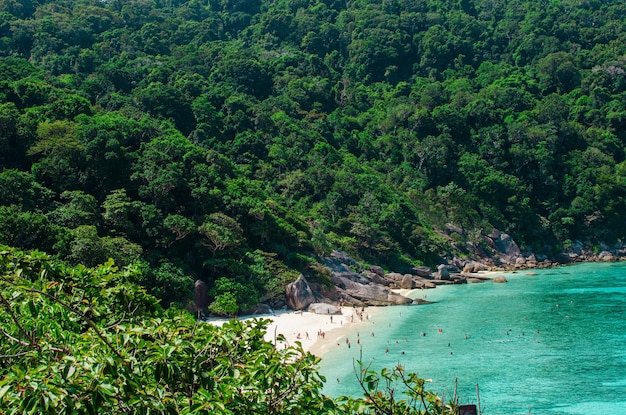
x=357 y=287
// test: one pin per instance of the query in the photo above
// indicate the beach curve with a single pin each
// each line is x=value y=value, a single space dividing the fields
x=317 y=333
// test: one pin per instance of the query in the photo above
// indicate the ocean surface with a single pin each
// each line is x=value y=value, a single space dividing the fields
x=547 y=342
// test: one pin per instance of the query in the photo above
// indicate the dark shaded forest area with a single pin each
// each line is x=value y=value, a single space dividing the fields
x=237 y=141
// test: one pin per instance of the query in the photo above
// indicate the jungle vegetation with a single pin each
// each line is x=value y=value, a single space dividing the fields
x=237 y=141
x=148 y=144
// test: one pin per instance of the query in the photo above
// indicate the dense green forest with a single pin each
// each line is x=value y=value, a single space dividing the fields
x=238 y=141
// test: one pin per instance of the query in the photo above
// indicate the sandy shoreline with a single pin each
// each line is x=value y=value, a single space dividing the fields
x=305 y=327
x=318 y=333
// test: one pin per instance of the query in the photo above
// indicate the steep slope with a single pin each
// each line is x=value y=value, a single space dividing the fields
x=237 y=142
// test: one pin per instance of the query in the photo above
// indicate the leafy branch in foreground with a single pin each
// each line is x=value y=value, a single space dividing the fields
x=381 y=390
x=77 y=340
x=71 y=346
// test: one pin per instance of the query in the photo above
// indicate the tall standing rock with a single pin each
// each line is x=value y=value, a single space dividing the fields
x=442 y=272
x=407 y=282
x=200 y=297
x=299 y=294
x=506 y=246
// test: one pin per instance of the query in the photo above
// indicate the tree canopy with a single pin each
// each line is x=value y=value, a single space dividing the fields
x=241 y=140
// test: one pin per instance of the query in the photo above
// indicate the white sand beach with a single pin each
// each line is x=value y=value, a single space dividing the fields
x=318 y=333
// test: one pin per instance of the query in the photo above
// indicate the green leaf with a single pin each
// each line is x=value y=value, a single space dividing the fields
x=107 y=389
x=4 y=390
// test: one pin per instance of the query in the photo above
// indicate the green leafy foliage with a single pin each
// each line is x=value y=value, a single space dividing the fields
x=230 y=295
x=169 y=282
x=78 y=340
x=220 y=232
x=384 y=391
x=91 y=341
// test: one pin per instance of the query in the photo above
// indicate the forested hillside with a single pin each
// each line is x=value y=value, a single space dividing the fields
x=236 y=141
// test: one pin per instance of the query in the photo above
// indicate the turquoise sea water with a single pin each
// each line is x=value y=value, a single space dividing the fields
x=550 y=343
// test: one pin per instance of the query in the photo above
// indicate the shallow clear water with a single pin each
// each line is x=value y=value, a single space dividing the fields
x=550 y=343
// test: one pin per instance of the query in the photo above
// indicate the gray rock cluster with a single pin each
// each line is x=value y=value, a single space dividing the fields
x=580 y=252
x=496 y=251
x=367 y=287
x=324 y=308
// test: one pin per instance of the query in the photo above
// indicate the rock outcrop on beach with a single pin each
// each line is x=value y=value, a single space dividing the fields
x=324 y=308
x=200 y=297
x=508 y=250
x=298 y=294
x=366 y=287
x=495 y=251
x=498 y=251
x=442 y=272
x=356 y=293
x=361 y=288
